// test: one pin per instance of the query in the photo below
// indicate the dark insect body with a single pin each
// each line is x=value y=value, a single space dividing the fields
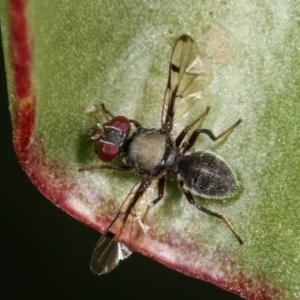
x=152 y=153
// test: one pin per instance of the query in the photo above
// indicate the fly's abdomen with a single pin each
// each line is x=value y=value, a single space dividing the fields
x=207 y=175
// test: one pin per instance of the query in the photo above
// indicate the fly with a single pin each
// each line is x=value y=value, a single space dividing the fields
x=153 y=153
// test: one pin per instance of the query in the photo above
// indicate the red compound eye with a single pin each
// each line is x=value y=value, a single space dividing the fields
x=107 y=151
x=120 y=123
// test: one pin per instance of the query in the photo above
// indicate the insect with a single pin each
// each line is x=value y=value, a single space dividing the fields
x=153 y=153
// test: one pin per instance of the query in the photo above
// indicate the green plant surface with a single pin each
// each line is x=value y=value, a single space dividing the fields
x=82 y=54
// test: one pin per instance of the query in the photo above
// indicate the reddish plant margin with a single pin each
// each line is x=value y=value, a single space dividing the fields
x=29 y=150
x=31 y=156
x=24 y=104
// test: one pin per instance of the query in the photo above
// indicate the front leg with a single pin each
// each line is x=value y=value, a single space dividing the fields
x=100 y=167
x=134 y=122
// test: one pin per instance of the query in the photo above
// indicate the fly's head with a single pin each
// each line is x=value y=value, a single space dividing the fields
x=109 y=138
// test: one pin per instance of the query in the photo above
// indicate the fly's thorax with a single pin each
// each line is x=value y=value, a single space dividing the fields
x=207 y=175
x=150 y=151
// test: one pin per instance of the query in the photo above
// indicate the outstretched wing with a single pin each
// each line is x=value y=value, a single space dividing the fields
x=107 y=254
x=108 y=251
x=185 y=67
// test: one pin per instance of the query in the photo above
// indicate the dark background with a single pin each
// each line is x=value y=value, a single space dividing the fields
x=47 y=253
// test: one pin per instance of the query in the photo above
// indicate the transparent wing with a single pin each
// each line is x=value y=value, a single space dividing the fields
x=107 y=254
x=185 y=70
x=108 y=251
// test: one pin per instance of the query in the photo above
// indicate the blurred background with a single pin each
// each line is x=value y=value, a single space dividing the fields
x=46 y=253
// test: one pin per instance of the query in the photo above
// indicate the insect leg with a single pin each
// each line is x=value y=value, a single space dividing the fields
x=184 y=132
x=106 y=110
x=194 y=136
x=192 y=201
x=99 y=167
x=134 y=122
x=160 y=192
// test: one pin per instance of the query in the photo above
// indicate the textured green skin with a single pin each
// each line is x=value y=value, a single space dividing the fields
x=119 y=55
